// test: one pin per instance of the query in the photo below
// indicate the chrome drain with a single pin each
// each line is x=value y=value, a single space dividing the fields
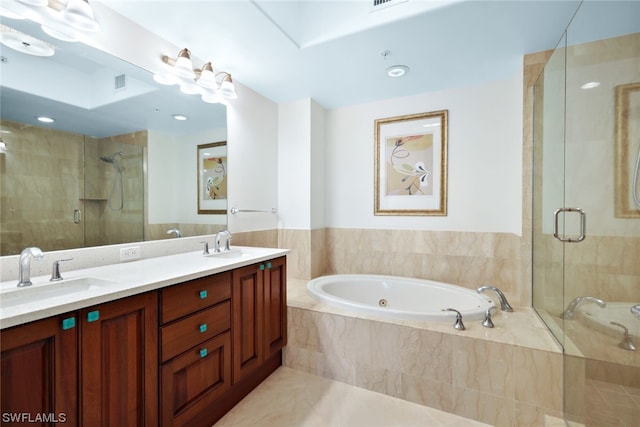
x=382 y=302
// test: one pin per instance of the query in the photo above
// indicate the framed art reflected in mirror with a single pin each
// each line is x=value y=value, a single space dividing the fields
x=212 y=178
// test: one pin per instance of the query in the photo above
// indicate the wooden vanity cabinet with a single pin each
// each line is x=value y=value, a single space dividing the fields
x=39 y=370
x=119 y=362
x=259 y=315
x=195 y=349
x=93 y=367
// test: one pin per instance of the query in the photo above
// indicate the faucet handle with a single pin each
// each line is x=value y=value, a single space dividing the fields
x=487 y=322
x=205 y=249
x=627 y=342
x=55 y=270
x=458 y=325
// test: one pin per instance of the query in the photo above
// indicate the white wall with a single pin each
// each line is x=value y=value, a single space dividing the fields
x=172 y=177
x=252 y=129
x=484 y=154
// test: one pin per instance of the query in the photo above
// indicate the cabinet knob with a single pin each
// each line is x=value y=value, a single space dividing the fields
x=203 y=328
x=261 y=267
x=268 y=265
x=203 y=352
x=68 y=323
x=203 y=294
x=92 y=316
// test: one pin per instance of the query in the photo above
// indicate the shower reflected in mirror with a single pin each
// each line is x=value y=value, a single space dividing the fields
x=116 y=197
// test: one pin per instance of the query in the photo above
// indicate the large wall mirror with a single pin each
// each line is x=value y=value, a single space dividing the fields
x=114 y=167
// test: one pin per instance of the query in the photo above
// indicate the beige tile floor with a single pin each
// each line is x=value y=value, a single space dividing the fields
x=291 y=398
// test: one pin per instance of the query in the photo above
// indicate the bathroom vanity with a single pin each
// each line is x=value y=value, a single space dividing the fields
x=179 y=348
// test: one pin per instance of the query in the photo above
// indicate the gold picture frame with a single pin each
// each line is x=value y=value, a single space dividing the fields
x=627 y=150
x=411 y=164
x=212 y=178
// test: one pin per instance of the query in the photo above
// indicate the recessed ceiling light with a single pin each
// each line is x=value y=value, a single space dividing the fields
x=590 y=85
x=397 y=70
x=179 y=117
x=45 y=119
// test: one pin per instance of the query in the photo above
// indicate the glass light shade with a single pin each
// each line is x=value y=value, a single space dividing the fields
x=227 y=89
x=166 y=79
x=79 y=15
x=3 y=146
x=212 y=98
x=9 y=13
x=25 y=43
x=207 y=77
x=190 y=88
x=183 y=66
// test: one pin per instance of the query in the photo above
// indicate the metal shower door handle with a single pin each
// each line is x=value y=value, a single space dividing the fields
x=583 y=226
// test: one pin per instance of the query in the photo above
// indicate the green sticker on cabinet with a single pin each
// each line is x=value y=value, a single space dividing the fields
x=92 y=316
x=68 y=323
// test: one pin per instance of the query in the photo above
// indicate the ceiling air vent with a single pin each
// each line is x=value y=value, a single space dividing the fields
x=382 y=4
x=120 y=82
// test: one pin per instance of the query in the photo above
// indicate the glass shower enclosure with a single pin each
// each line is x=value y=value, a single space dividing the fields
x=586 y=212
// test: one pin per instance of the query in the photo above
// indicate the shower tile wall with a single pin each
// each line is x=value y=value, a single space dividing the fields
x=41 y=185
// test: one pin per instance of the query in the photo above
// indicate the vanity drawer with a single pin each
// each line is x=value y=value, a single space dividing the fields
x=180 y=336
x=181 y=300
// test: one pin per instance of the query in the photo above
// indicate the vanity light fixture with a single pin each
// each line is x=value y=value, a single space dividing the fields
x=79 y=15
x=227 y=89
x=213 y=86
x=3 y=146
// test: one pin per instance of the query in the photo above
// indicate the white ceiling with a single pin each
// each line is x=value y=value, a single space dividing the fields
x=330 y=51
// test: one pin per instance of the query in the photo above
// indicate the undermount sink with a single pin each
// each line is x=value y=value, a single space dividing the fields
x=231 y=253
x=40 y=292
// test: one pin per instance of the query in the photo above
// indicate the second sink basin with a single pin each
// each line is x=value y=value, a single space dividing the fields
x=39 y=292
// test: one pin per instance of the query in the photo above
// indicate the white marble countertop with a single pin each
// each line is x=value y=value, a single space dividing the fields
x=118 y=281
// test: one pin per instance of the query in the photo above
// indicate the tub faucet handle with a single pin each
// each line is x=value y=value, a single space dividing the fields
x=627 y=342
x=458 y=325
x=487 y=322
x=504 y=304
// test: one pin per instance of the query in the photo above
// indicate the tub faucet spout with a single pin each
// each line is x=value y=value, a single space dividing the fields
x=25 y=265
x=504 y=304
x=570 y=311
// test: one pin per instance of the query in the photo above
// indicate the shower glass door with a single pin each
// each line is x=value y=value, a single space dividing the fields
x=586 y=146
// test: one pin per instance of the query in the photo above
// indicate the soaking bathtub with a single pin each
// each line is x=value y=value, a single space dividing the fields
x=399 y=297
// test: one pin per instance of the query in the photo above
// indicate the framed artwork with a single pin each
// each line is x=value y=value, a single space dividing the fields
x=212 y=178
x=411 y=164
x=627 y=151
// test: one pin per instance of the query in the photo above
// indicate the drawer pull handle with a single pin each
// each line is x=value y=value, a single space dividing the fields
x=203 y=352
x=203 y=327
x=203 y=294
x=261 y=267
x=268 y=265
x=92 y=316
x=68 y=323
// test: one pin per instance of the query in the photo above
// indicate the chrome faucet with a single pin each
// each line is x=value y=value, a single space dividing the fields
x=55 y=270
x=504 y=304
x=570 y=311
x=175 y=230
x=25 y=265
x=627 y=341
x=227 y=245
x=458 y=324
x=635 y=310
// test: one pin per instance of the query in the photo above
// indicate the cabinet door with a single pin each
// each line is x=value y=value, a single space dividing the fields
x=193 y=381
x=248 y=311
x=275 y=306
x=40 y=371
x=119 y=362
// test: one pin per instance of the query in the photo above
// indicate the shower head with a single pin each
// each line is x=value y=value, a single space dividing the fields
x=111 y=158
